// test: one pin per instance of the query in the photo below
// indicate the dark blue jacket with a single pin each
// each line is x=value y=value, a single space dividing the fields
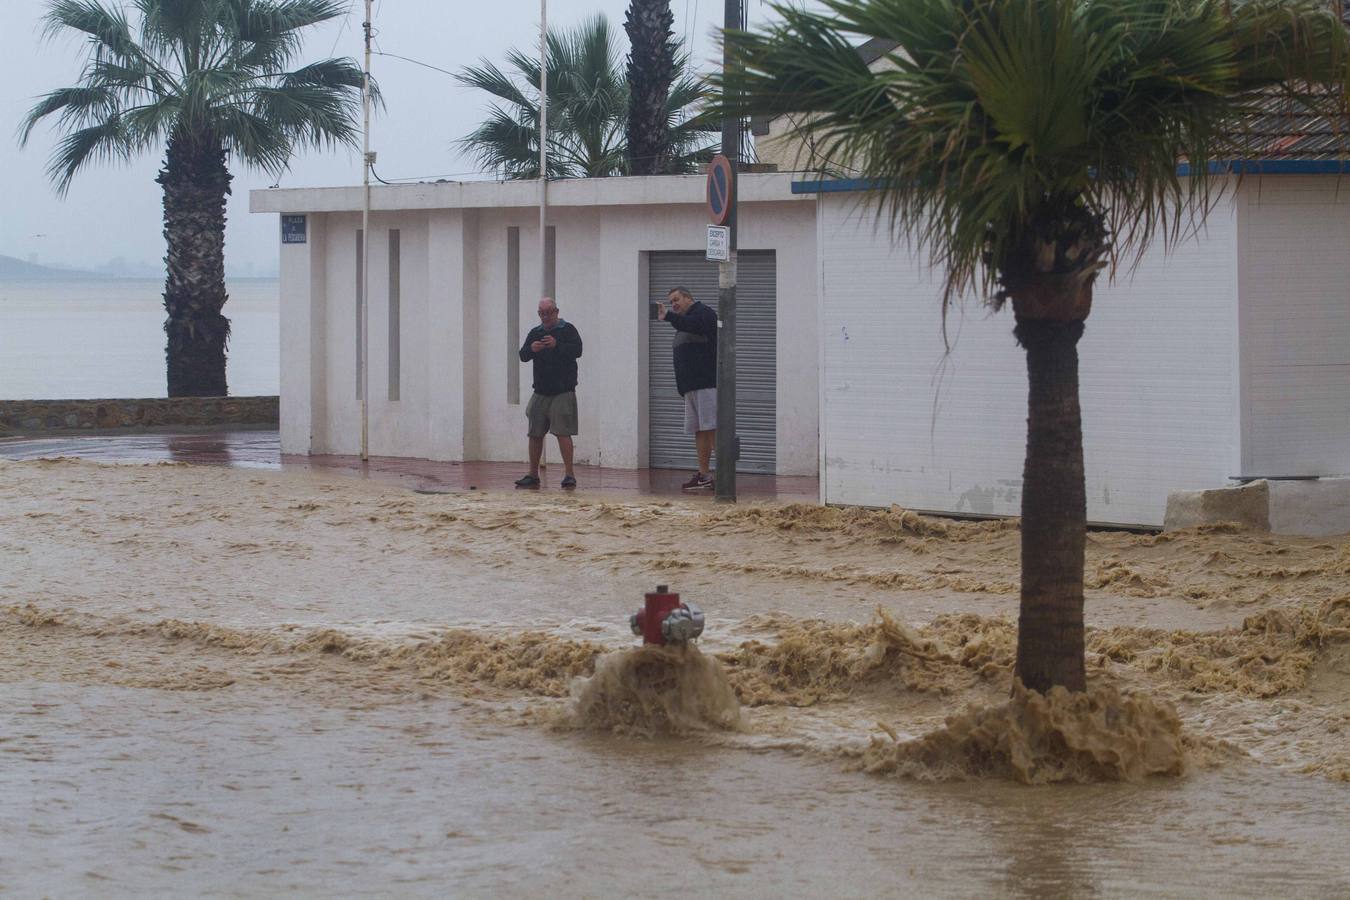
x=695 y=348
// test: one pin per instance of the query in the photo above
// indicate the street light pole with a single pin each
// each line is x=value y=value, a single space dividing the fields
x=728 y=444
x=364 y=300
x=543 y=147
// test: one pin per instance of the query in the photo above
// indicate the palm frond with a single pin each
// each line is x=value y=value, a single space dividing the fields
x=206 y=70
x=266 y=34
x=487 y=77
x=107 y=28
x=588 y=99
x=79 y=107
x=986 y=115
x=505 y=144
x=102 y=142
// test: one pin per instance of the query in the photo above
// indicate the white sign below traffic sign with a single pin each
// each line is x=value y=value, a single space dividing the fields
x=719 y=243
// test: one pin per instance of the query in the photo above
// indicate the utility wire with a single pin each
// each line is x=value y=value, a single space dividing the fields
x=416 y=62
x=346 y=19
x=421 y=178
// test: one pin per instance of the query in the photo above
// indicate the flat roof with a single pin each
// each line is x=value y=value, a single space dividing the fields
x=759 y=187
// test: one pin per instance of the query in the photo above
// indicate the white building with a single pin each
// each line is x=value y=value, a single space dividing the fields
x=1229 y=357
x=454 y=281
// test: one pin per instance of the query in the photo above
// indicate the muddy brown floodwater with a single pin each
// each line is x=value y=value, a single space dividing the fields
x=219 y=682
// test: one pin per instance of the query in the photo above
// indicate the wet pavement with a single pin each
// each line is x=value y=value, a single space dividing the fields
x=261 y=449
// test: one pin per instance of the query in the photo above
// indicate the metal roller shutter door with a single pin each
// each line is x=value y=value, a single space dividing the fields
x=756 y=358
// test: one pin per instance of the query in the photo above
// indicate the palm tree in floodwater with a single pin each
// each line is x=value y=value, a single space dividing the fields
x=588 y=102
x=1027 y=146
x=208 y=80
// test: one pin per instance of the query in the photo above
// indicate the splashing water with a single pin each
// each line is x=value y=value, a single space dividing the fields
x=653 y=690
x=1034 y=738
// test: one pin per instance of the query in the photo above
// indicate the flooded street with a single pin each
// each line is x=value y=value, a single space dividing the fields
x=224 y=682
x=315 y=786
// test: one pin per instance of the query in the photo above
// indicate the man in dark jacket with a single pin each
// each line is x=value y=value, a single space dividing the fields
x=695 y=352
x=554 y=346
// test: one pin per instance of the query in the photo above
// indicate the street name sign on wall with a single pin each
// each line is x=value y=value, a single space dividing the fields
x=720 y=190
x=719 y=243
x=293 y=229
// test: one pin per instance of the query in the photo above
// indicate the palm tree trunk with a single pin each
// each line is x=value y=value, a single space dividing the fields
x=1054 y=510
x=196 y=183
x=651 y=70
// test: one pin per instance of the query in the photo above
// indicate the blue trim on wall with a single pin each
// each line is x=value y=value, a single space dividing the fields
x=1247 y=167
x=832 y=185
x=1275 y=167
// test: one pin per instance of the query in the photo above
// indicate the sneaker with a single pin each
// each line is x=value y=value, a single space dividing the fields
x=528 y=481
x=698 y=483
x=569 y=481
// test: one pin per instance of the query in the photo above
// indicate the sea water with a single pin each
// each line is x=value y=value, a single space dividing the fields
x=92 y=338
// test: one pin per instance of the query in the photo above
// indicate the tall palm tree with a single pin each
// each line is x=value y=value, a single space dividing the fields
x=207 y=79
x=588 y=102
x=652 y=53
x=1028 y=145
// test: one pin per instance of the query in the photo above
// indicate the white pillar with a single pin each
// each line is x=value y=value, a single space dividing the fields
x=303 y=288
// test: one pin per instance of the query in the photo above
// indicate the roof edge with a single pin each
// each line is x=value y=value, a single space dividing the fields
x=1234 y=167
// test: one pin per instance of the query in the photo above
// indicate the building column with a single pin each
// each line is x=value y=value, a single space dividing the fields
x=303 y=290
x=452 y=325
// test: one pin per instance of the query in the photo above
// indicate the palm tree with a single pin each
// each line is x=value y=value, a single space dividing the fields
x=651 y=71
x=587 y=110
x=208 y=79
x=1028 y=145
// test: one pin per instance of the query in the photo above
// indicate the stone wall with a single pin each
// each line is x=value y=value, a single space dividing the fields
x=37 y=416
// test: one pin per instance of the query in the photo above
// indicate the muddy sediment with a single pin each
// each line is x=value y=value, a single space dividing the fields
x=1126 y=727
x=1032 y=738
x=836 y=617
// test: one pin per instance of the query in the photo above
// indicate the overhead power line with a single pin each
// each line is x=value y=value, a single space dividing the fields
x=416 y=62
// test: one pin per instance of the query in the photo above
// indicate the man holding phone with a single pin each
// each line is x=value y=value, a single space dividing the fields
x=554 y=345
x=695 y=352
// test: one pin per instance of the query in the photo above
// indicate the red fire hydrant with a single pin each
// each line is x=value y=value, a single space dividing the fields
x=663 y=619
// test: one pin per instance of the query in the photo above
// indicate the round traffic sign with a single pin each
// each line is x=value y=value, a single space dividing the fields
x=721 y=189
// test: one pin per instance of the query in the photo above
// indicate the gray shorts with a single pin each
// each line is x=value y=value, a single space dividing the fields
x=700 y=410
x=556 y=414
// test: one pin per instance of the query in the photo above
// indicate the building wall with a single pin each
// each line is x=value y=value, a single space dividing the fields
x=908 y=421
x=1295 y=325
x=455 y=348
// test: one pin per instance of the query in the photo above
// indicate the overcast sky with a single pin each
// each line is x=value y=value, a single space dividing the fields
x=113 y=210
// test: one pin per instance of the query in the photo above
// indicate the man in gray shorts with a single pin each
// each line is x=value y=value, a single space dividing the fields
x=554 y=346
x=695 y=352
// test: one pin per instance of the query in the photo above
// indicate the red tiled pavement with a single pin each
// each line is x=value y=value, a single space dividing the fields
x=262 y=449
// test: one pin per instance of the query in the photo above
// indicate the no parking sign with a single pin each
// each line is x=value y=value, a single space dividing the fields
x=721 y=190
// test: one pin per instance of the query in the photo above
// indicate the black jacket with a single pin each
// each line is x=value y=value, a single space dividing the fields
x=555 y=369
x=695 y=348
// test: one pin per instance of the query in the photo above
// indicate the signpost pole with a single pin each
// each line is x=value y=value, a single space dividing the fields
x=364 y=361
x=728 y=444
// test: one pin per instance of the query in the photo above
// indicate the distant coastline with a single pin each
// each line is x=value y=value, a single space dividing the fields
x=12 y=269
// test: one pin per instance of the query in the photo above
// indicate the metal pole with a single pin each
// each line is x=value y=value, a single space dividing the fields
x=365 y=246
x=543 y=168
x=543 y=146
x=728 y=444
